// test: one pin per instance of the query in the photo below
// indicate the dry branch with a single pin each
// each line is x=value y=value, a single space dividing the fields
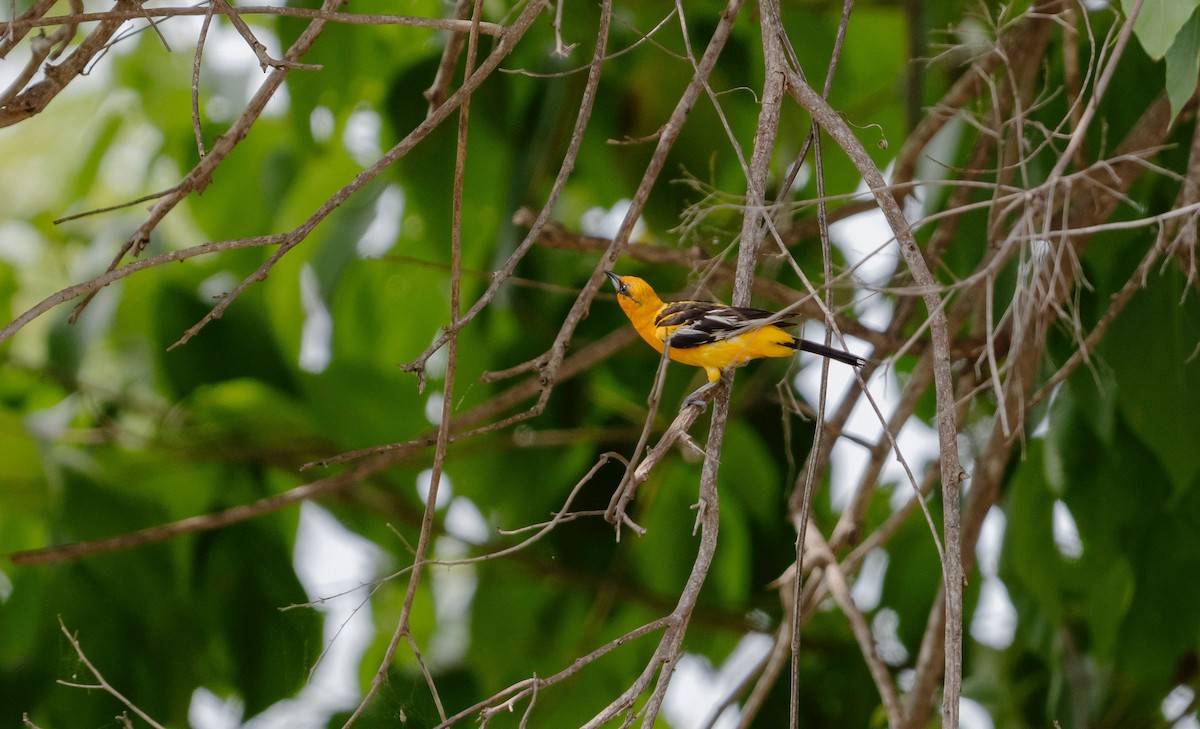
x=1065 y=209
x=101 y=683
x=31 y=18
x=952 y=471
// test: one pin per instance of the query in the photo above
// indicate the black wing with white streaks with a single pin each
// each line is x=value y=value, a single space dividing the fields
x=701 y=322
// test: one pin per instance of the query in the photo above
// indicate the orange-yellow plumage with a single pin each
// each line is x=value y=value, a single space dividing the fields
x=708 y=335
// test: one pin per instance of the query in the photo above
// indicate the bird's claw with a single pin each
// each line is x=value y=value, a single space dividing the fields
x=699 y=397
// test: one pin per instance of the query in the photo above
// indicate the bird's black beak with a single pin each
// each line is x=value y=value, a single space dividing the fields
x=616 y=280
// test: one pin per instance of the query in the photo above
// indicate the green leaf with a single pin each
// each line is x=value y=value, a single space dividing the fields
x=1150 y=348
x=24 y=501
x=1183 y=64
x=1108 y=598
x=265 y=654
x=237 y=345
x=1159 y=22
x=1162 y=627
x=1029 y=540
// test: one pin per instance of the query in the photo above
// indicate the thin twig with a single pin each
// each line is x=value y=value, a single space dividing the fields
x=35 y=98
x=439 y=90
x=299 y=234
x=201 y=175
x=196 y=59
x=32 y=20
x=204 y=522
x=586 y=104
x=835 y=580
x=952 y=471
x=265 y=61
x=528 y=686
x=101 y=683
x=403 y=629
x=636 y=471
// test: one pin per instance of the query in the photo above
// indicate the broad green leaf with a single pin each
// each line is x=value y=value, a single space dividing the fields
x=24 y=501
x=731 y=565
x=1183 y=64
x=1029 y=540
x=751 y=478
x=236 y=345
x=1160 y=629
x=1108 y=600
x=1158 y=22
x=1150 y=347
x=244 y=626
x=664 y=507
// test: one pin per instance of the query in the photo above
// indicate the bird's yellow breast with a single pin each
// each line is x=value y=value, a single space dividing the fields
x=768 y=341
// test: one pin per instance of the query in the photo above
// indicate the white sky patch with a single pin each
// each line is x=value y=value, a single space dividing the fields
x=96 y=255
x=229 y=64
x=316 y=334
x=277 y=105
x=990 y=542
x=225 y=51
x=605 y=223
x=209 y=711
x=216 y=286
x=803 y=177
x=230 y=75
x=1177 y=702
x=866 y=241
x=1043 y=426
x=384 y=230
x=1066 y=533
x=917 y=441
x=50 y=423
x=697 y=687
x=453 y=592
x=445 y=488
x=433 y=407
x=361 y=138
x=868 y=245
x=885 y=628
x=329 y=560
x=868 y=586
x=465 y=522
x=332 y=563
x=99 y=315
x=10 y=71
x=877 y=315
x=321 y=124
x=994 y=623
x=218 y=108
x=123 y=166
x=435 y=366
x=972 y=715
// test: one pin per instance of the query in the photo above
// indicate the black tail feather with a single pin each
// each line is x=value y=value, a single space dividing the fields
x=830 y=352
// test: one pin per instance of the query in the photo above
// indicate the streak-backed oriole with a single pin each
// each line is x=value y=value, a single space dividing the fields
x=712 y=336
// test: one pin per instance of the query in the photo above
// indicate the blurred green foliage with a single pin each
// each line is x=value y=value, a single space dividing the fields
x=106 y=431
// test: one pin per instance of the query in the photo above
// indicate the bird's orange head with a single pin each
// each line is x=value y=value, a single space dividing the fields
x=634 y=295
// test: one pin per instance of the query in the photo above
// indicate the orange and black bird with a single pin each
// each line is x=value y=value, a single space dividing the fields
x=713 y=336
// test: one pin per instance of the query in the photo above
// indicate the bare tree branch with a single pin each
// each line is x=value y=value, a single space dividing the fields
x=101 y=683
